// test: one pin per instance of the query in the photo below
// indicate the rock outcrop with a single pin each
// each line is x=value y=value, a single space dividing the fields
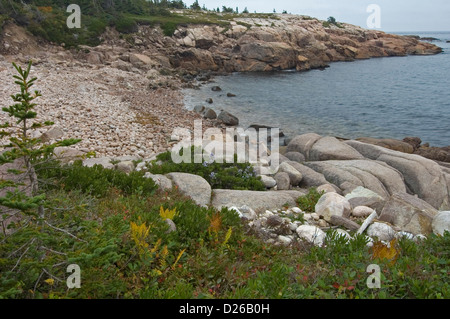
x=409 y=213
x=352 y=164
x=411 y=145
x=422 y=176
x=282 y=42
x=235 y=44
x=258 y=201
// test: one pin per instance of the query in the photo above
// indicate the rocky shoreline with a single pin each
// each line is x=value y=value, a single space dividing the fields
x=136 y=79
x=122 y=99
x=367 y=189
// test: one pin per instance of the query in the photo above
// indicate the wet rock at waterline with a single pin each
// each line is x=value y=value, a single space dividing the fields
x=228 y=118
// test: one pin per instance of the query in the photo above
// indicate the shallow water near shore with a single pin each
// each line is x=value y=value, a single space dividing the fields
x=383 y=98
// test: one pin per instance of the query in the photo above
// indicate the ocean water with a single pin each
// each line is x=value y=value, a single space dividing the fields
x=390 y=97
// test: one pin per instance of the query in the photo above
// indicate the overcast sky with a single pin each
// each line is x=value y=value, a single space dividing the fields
x=396 y=15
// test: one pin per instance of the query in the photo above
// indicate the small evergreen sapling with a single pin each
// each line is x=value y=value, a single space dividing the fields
x=23 y=150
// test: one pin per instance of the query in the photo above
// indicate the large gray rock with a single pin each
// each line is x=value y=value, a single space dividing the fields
x=295 y=156
x=333 y=204
x=283 y=181
x=125 y=166
x=330 y=148
x=374 y=175
x=209 y=113
x=268 y=181
x=103 y=161
x=441 y=223
x=312 y=234
x=422 y=176
x=294 y=175
x=228 y=118
x=277 y=158
x=361 y=196
x=311 y=178
x=409 y=213
x=303 y=143
x=162 y=181
x=54 y=133
x=381 y=231
x=67 y=154
x=258 y=201
x=193 y=186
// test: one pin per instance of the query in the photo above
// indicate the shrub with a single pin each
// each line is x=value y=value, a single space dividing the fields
x=169 y=28
x=125 y=24
x=239 y=176
x=227 y=9
x=308 y=202
x=331 y=20
x=98 y=180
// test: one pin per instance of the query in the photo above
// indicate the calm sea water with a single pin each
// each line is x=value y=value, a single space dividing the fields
x=383 y=98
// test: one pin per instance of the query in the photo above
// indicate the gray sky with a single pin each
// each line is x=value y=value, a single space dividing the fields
x=396 y=15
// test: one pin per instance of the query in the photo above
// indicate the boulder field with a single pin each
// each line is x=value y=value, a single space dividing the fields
x=396 y=194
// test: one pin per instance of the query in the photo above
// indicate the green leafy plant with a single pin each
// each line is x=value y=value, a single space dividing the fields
x=169 y=28
x=308 y=202
x=219 y=175
x=125 y=24
x=97 y=180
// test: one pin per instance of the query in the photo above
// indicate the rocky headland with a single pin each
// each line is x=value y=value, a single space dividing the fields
x=129 y=83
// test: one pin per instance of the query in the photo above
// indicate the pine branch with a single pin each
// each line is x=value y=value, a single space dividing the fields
x=64 y=231
x=24 y=253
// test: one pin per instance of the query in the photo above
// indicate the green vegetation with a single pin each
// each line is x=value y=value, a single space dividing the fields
x=126 y=25
x=125 y=251
x=332 y=21
x=118 y=229
x=47 y=18
x=308 y=202
x=227 y=9
x=96 y=181
x=21 y=150
x=219 y=175
x=196 y=6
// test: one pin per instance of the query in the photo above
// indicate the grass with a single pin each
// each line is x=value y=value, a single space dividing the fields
x=327 y=24
x=125 y=251
x=169 y=23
